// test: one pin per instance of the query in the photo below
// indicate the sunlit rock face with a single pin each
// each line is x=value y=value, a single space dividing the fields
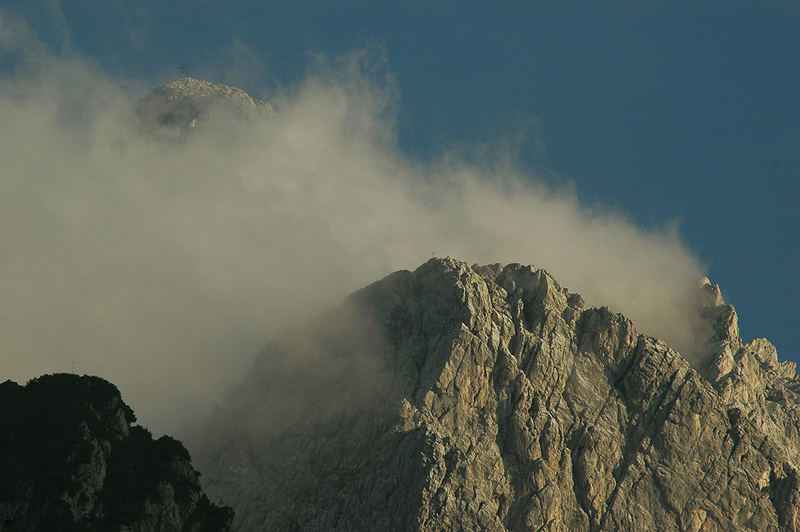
x=70 y=459
x=187 y=103
x=510 y=406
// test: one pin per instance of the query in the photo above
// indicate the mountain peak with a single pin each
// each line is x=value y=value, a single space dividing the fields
x=187 y=103
x=511 y=406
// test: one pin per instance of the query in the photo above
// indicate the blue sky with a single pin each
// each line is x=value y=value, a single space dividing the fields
x=666 y=111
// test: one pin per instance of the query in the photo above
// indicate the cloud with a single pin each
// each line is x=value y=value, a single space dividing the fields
x=165 y=266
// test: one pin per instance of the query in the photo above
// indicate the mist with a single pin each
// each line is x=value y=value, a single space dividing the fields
x=165 y=266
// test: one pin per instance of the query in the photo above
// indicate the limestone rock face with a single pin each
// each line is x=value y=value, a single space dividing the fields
x=70 y=460
x=510 y=406
x=187 y=103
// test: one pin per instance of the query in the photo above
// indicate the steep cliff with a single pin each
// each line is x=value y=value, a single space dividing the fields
x=497 y=401
x=70 y=460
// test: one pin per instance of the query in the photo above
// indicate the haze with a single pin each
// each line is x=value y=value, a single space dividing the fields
x=165 y=266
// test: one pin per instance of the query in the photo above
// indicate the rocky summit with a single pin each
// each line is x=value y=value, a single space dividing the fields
x=187 y=103
x=70 y=459
x=498 y=401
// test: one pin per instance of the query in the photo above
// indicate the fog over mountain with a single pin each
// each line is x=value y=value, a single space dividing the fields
x=164 y=259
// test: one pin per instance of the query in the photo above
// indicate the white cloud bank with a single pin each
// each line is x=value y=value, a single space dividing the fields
x=164 y=266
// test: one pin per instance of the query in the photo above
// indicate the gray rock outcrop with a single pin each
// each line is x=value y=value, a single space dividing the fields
x=505 y=404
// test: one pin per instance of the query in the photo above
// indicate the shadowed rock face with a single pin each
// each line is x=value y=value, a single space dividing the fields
x=513 y=407
x=70 y=460
x=187 y=103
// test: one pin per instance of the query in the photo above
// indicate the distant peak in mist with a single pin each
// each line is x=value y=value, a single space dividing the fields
x=187 y=103
x=160 y=240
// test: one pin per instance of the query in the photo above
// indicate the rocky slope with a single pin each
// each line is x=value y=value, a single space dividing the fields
x=497 y=401
x=70 y=460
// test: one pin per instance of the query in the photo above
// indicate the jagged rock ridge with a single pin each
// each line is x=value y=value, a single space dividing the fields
x=71 y=460
x=514 y=407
